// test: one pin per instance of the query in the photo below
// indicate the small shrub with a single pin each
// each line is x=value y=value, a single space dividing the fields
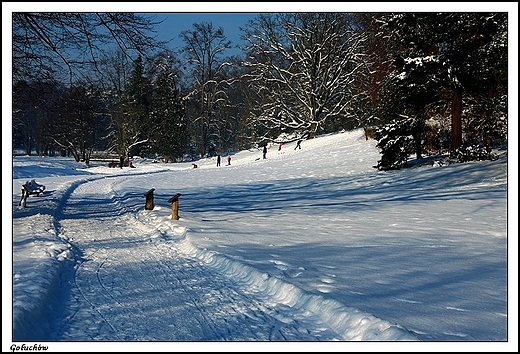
x=473 y=153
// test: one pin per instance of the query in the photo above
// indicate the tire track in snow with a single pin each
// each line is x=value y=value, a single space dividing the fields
x=167 y=289
x=206 y=304
x=219 y=300
x=95 y=318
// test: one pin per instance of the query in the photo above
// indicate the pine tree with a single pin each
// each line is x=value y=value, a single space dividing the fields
x=446 y=57
x=443 y=58
x=168 y=114
x=132 y=121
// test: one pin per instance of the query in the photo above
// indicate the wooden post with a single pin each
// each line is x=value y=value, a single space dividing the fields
x=149 y=200
x=24 y=197
x=175 y=206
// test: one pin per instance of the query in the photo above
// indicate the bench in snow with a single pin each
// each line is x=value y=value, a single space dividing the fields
x=30 y=188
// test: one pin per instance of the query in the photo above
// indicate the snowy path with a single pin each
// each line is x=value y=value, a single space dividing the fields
x=177 y=296
x=311 y=245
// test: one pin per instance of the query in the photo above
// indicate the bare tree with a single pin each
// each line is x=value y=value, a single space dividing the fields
x=80 y=119
x=61 y=47
x=114 y=73
x=303 y=67
x=377 y=66
x=47 y=43
x=204 y=50
x=37 y=106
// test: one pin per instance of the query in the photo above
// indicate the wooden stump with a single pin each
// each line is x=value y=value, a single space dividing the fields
x=175 y=206
x=149 y=200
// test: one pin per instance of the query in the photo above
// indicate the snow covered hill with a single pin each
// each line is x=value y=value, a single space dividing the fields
x=308 y=245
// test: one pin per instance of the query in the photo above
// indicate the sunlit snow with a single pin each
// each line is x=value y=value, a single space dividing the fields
x=312 y=245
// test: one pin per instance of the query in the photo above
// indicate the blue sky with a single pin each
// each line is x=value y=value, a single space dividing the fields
x=180 y=16
x=174 y=23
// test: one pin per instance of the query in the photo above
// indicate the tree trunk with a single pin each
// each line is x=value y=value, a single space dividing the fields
x=456 y=119
x=489 y=144
x=313 y=131
x=418 y=147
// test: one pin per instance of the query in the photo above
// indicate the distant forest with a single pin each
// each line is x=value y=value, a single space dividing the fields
x=92 y=84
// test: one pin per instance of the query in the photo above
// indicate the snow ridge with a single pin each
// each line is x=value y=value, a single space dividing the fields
x=349 y=323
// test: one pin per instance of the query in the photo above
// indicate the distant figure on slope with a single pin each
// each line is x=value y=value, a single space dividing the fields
x=265 y=152
x=218 y=160
x=229 y=160
x=298 y=144
x=280 y=147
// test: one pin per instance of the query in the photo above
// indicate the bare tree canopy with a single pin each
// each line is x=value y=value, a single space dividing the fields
x=47 y=43
x=302 y=67
x=204 y=50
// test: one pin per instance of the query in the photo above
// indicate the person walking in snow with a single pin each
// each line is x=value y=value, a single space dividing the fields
x=280 y=147
x=298 y=144
x=265 y=151
x=218 y=160
x=229 y=160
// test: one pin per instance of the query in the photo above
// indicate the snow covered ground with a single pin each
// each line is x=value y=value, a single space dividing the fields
x=306 y=250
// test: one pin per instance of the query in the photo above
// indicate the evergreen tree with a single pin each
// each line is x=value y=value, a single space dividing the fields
x=444 y=56
x=135 y=127
x=168 y=115
x=397 y=140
